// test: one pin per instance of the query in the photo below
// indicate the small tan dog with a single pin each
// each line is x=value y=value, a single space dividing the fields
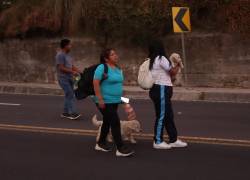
x=175 y=59
x=127 y=129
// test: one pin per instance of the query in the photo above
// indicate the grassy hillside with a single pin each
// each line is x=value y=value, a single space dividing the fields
x=132 y=21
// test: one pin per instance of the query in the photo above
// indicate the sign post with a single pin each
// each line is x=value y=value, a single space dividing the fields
x=181 y=24
x=184 y=56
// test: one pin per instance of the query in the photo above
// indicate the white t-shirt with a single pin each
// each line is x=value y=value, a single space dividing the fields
x=160 y=71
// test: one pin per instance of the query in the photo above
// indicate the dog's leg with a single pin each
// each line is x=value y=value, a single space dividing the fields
x=132 y=139
x=109 y=137
x=124 y=133
x=126 y=139
x=98 y=135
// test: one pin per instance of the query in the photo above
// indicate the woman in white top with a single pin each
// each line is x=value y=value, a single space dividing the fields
x=161 y=94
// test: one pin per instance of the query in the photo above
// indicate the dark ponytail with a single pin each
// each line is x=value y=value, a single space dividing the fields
x=105 y=55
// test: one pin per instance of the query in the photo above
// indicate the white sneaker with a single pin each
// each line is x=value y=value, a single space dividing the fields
x=178 y=144
x=124 y=152
x=103 y=148
x=162 y=145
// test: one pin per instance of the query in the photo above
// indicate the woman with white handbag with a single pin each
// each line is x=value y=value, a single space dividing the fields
x=161 y=94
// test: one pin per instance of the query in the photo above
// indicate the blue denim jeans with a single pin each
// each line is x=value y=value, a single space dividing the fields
x=69 y=100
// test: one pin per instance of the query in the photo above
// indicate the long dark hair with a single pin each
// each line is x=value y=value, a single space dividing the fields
x=105 y=55
x=156 y=48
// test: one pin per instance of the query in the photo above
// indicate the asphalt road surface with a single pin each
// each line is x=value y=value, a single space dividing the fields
x=198 y=119
x=40 y=155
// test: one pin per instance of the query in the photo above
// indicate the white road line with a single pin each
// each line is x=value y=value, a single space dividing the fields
x=9 y=104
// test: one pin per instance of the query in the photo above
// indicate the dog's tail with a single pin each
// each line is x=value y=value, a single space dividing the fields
x=95 y=121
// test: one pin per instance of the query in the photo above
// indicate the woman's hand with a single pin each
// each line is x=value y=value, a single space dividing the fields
x=98 y=94
x=101 y=104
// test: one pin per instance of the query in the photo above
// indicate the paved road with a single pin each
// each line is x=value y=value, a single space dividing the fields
x=39 y=156
x=43 y=156
x=199 y=119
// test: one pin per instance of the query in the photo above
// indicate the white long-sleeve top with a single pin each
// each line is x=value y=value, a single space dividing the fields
x=160 y=71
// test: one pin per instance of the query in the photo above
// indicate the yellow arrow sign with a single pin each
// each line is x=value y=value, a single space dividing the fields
x=181 y=19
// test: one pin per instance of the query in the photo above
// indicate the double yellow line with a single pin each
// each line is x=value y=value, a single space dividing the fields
x=83 y=132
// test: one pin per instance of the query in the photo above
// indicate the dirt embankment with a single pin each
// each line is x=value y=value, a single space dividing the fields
x=129 y=21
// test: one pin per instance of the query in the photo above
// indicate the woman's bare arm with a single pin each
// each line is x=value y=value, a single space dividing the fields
x=98 y=94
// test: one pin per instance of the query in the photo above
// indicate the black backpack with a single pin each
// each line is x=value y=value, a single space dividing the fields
x=85 y=85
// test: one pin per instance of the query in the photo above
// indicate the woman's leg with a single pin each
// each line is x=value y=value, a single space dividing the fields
x=115 y=125
x=105 y=126
x=157 y=95
x=111 y=119
x=169 y=118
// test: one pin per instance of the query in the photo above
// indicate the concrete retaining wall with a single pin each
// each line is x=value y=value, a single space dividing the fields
x=213 y=60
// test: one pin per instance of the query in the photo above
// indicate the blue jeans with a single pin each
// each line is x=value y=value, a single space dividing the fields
x=69 y=100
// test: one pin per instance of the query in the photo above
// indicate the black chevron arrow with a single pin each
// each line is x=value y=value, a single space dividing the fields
x=178 y=19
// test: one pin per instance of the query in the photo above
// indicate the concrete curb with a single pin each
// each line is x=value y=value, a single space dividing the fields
x=180 y=93
x=22 y=89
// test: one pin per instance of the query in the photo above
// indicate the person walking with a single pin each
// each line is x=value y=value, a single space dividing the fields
x=161 y=94
x=65 y=73
x=108 y=95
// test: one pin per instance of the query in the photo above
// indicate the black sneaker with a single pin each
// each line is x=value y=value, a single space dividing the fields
x=66 y=115
x=102 y=147
x=75 y=116
x=124 y=152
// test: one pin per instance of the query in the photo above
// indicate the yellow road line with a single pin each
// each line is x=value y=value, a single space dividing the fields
x=83 y=132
